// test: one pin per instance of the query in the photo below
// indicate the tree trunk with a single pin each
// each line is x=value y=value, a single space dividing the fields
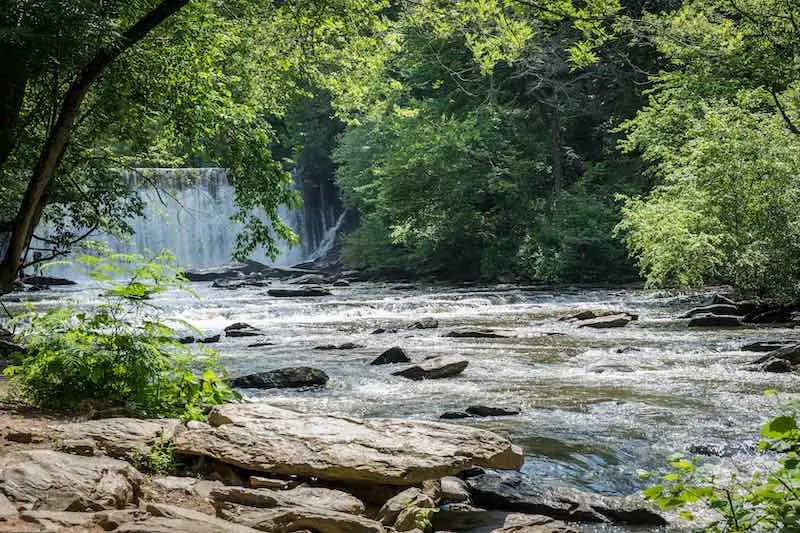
x=53 y=150
x=13 y=82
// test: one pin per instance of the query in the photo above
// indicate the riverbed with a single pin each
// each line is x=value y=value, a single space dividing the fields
x=596 y=405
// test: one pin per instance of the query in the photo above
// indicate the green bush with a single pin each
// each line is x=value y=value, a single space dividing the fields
x=761 y=501
x=121 y=352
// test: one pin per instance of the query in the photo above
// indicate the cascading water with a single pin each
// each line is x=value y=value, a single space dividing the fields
x=189 y=211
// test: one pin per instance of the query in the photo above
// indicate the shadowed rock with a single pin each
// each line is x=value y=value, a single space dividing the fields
x=474 y=334
x=304 y=292
x=610 y=321
x=715 y=321
x=283 y=378
x=434 y=368
x=393 y=355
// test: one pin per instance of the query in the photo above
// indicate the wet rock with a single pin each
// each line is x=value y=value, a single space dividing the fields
x=725 y=450
x=187 y=340
x=777 y=366
x=171 y=519
x=393 y=355
x=241 y=270
x=589 y=314
x=300 y=518
x=524 y=523
x=789 y=354
x=627 y=349
x=444 y=366
x=121 y=438
x=283 y=378
x=263 y=438
x=54 y=481
x=454 y=415
x=260 y=344
x=764 y=346
x=411 y=497
x=474 y=334
x=721 y=299
x=604 y=322
x=341 y=283
x=463 y=517
x=343 y=346
x=718 y=309
x=424 y=323
x=211 y=339
x=242 y=329
x=235 y=284
x=305 y=292
x=715 y=321
x=333 y=500
x=512 y=491
x=486 y=410
x=454 y=490
x=404 y=287
x=47 y=281
x=384 y=330
x=309 y=279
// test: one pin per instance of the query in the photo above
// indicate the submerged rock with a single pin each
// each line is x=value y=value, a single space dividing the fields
x=444 y=366
x=424 y=323
x=715 y=321
x=305 y=292
x=54 y=481
x=512 y=491
x=262 y=438
x=393 y=355
x=474 y=334
x=283 y=378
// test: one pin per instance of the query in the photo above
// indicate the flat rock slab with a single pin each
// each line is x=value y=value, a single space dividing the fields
x=288 y=519
x=512 y=491
x=262 y=438
x=604 y=322
x=434 y=368
x=170 y=519
x=333 y=500
x=54 y=481
x=283 y=378
x=117 y=437
x=522 y=523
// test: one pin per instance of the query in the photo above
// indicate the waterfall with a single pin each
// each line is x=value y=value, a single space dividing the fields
x=189 y=213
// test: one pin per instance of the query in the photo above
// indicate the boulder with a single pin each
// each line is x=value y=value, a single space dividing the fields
x=8 y=510
x=391 y=356
x=122 y=438
x=53 y=481
x=234 y=284
x=718 y=309
x=424 y=323
x=83 y=521
x=715 y=321
x=464 y=517
x=411 y=497
x=242 y=329
x=300 y=518
x=262 y=438
x=589 y=314
x=283 y=378
x=309 y=279
x=343 y=346
x=384 y=330
x=333 y=500
x=211 y=339
x=485 y=410
x=474 y=334
x=444 y=366
x=454 y=415
x=171 y=519
x=513 y=491
x=454 y=490
x=305 y=292
x=240 y=270
x=522 y=523
x=47 y=281
x=764 y=346
x=609 y=321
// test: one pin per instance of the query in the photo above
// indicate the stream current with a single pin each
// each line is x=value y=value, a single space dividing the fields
x=597 y=405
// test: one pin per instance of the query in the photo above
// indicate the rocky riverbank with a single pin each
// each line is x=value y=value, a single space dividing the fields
x=255 y=467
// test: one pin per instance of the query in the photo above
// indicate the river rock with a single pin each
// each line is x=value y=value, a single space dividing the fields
x=333 y=500
x=258 y=482
x=781 y=360
x=260 y=344
x=444 y=366
x=122 y=438
x=54 y=481
x=454 y=415
x=262 y=438
x=485 y=410
x=242 y=329
x=393 y=355
x=384 y=330
x=300 y=518
x=454 y=490
x=424 y=323
x=343 y=346
x=305 y=292
x=721 y=299
x=715 y=321
x=211 y=339
x=411 y=497
x=309 y=279
x=764 y=346
x=524 y=523
x=589 y=314
x=341 y=283
x=47 y=281
x=283 y=378
x=609 y=321
x=235 y=284
x=167 y=518
x=717 y=309
x=513 y=491
x=474 y=334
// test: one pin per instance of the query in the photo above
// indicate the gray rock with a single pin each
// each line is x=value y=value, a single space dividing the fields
x=485 y=410
x=333 y=500
x=122 y=438
x=341 y=283
x=764 y=346
x=454 y=415
x=434 y=368
x=262 y=438
x=716 y=309
x=393 y=355
x=171 y=519
x=411 y=497
x=474 y=334
x=454 y=490
x=522 y=523
x=309 y=279
x=424 y=323
x=512 y=491
x=283 y=378
x=715 y=321
x=604 y=322
x=241 y=329
x=305 y=292
x=310 y=518
x=343 y=346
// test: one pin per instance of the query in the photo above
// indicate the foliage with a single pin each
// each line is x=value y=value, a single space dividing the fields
x=159 y=460
x=719 y=134
x=764 y=501
x=121 y=351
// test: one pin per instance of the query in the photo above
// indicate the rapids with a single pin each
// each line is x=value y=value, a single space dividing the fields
x=672 y=387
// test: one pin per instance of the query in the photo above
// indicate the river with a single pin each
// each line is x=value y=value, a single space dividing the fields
x=597 y=405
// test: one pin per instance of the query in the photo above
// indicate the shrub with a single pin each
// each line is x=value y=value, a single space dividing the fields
x=121 y=351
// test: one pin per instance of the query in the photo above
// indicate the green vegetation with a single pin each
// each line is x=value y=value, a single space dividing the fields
x=761 y=501
x=121 y=352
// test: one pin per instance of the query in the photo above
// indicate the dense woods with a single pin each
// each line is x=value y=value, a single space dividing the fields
x=496 y=139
